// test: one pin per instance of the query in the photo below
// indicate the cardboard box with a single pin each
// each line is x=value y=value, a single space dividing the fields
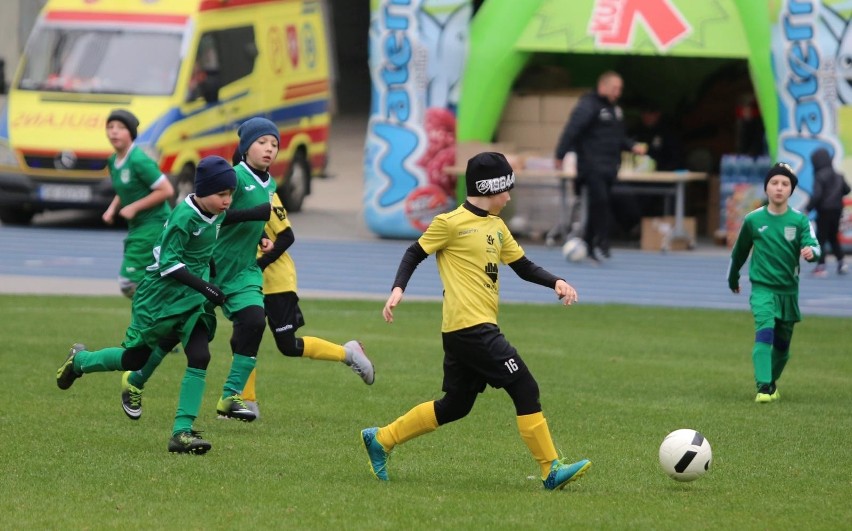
x=556 y=107
x=522 y=108
x=656 y=234
x=540 y=137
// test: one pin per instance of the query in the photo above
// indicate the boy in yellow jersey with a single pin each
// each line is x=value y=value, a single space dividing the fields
x=282 y=307
x=469 y=243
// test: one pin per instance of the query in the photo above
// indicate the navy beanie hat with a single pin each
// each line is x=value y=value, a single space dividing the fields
x=489 y=173
x=254 y=128
x=213 y=175
x=781 y=168
x=127 y=118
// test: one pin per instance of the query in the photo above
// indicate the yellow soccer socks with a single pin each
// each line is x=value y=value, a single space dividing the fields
x=419 y=420
x=250 y=391
x=536 y=436
x=320 y=349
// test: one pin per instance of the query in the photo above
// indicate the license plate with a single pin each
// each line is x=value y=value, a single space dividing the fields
x=65 y=193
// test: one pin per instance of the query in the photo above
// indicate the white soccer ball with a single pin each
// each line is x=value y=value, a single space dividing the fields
x=685 y=455
x=575 y=250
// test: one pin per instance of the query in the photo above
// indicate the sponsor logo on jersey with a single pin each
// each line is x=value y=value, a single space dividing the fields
x=763 y=228
x=491 y=271
x=250 y=187
x=198 y=232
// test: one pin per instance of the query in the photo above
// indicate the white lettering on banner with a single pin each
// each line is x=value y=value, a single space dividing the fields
x=801 y=87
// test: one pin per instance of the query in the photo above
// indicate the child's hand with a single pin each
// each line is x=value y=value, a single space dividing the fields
x=266 y=245
x=807 y=253
x=127 y=212
x=566 y=293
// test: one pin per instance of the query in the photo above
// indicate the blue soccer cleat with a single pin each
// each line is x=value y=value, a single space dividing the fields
x=561 y=474
x=377 y=453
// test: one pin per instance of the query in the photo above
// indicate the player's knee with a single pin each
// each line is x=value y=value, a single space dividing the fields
x=288 y=344
x=525 y=394
x=133 y=359
x=198 y=358
x=248 y=330
x=764 y=335
x=780 y=344
x=453 y=406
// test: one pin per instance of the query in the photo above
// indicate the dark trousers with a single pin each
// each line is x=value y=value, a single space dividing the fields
x=828 y=226
x=599 y=192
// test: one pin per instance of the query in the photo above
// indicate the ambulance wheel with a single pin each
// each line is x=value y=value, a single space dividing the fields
x=16 y=215
x=296 y=184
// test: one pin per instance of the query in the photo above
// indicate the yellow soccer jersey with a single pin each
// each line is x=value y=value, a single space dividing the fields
x=468 y=249
x=280 y=275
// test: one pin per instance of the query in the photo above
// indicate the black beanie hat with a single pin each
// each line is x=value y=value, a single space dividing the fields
x=214 y=175
x=127 y=118
x=781 y=168
x=254 y=128
x=488 y=173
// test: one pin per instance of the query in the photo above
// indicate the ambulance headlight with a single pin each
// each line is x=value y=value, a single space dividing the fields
x=7 y=156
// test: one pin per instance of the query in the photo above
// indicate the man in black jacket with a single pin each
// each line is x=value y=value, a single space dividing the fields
x=596 y=133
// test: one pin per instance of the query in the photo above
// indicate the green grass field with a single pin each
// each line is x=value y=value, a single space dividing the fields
x=614 y=381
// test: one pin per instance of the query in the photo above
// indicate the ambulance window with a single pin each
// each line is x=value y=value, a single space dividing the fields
x=238 y=52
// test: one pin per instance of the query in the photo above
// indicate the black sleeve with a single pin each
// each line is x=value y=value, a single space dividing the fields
x=257 y=213
x=527 y=270
x=207 y=289
x=283 y=242
x=410 y=260
x=212 y=268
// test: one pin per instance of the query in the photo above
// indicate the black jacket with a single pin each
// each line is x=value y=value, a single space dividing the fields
x=829 y=186
x=595 y=131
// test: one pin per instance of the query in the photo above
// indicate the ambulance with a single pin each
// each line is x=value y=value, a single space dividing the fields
x=191 y=70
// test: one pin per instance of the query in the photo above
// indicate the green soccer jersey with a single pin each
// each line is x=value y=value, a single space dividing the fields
x=187 y=240
x=775 y=241
x=469 y=248
x=236 y=249
x=132 y=178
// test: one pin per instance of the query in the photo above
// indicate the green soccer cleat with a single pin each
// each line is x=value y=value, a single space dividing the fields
x=189 y=442
x=562 y=474
x=357 y=359
x=377 y=453
x=131 y=397
x=234 y=407
x=66 y=374
x=766 y=394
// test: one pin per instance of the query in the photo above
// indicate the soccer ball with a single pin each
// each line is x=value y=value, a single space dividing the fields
x=575 y=250
x=685 y=455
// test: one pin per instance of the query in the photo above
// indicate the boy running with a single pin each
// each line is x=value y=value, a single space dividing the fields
x=282 y=308
x=175 y=298
x=142 y=196
x=779 y=235
x=469 y=242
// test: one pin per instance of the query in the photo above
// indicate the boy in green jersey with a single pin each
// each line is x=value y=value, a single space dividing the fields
x=142 y=196
x=777 y=237
x=175 y=298
x=240 y=272
x=469 y=243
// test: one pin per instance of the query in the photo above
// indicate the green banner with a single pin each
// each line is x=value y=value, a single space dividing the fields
x=691 y=28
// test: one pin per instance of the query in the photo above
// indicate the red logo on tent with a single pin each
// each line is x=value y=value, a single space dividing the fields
x=614 y=21
x=293 y=45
